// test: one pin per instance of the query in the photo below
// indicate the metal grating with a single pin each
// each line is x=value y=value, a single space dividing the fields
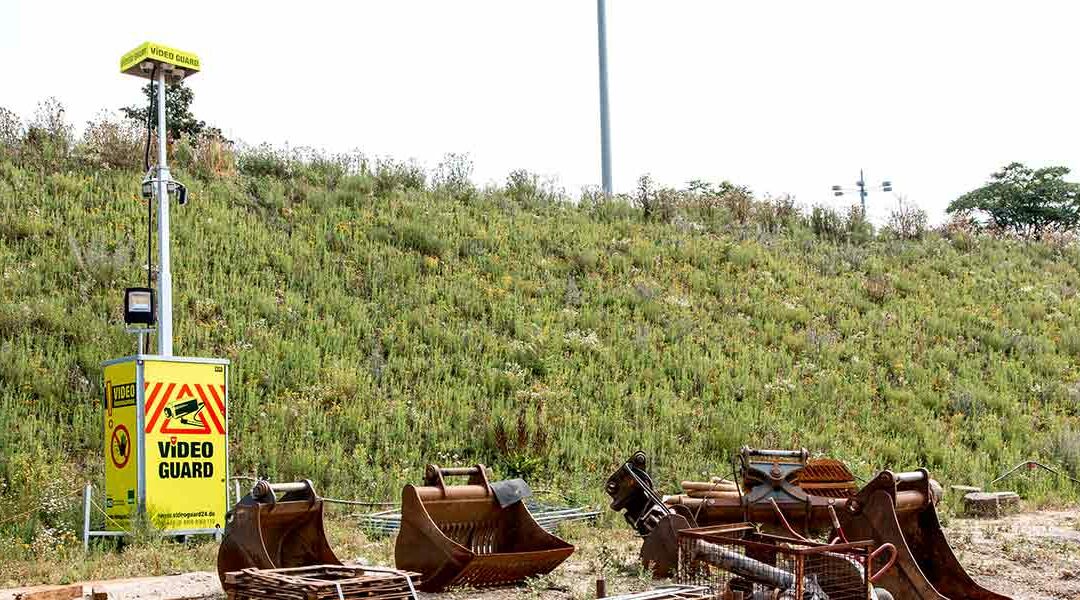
x=827 y=477
x=670 y=592
x=547 y=516
x=736 y=562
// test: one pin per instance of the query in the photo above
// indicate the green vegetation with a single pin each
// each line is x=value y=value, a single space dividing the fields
x=380 y=319
x=1027 y=202
x=179 y=121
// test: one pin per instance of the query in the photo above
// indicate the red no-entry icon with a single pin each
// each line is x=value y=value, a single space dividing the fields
x=120 y=446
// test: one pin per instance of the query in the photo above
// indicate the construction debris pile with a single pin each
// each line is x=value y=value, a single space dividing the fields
x=783 y=491
x=320 y=582
x=787 y=528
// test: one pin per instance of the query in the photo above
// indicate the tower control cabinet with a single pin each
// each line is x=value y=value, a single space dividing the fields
x=166 y=433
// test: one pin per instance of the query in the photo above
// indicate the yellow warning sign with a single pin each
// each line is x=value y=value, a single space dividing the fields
x=186 y=444
x=158 y=53
x=121 y=446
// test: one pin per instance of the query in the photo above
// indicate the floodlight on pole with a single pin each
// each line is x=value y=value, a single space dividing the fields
x=862 y=189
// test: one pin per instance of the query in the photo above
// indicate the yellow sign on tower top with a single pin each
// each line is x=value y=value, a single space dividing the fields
x=171 y=58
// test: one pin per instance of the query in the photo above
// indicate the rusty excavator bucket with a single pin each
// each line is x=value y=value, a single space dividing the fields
x=264 y=531
x=900 y=508
x=479 y=534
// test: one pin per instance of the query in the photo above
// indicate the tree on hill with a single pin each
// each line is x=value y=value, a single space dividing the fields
x=1029 y=202
x=178 y=117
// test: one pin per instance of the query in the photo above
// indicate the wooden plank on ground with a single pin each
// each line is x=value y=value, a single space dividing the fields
x=53 y=592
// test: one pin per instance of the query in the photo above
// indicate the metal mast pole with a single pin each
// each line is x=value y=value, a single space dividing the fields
x=164 y=299
x=605 y=124
x=862 y=191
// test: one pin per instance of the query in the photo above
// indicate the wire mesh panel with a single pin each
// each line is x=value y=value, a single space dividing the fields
x=738 y=563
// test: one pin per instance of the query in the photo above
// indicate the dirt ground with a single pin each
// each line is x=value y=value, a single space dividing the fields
x=1028 y=556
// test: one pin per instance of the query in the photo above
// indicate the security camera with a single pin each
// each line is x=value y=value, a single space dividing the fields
x=184 y=410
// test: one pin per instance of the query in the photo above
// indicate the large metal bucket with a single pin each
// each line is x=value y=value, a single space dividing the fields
x=267 y=532
x=461 y=536
x=899 y=508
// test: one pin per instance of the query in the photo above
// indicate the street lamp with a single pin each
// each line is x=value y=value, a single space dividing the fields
x=861 y=189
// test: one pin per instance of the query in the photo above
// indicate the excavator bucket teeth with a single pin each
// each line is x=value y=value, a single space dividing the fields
x=900 y=509
x=462 y=536
x=265 y=532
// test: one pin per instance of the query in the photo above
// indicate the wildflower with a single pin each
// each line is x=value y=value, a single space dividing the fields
x=677 y=301
x=582 y=339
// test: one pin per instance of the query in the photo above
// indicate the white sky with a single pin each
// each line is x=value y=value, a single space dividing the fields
x=784 y=96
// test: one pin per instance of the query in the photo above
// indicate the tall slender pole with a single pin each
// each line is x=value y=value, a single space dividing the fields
x=86 y=516
x=605 y=124
x=164 y=299
x=862 y=191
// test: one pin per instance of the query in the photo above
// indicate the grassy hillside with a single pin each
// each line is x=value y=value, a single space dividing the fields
x=379 y=320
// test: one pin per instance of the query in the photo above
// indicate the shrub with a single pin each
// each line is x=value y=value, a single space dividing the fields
x=453 y=176
x=264 y=161
x=11 y=131
x=666 y=202
x=727 y=201
x=657 y=204
x=962 y=230
x=526 y=190
x=878 y=288
x=776 y=213
x=643 y=197
x=584 y=261
x=418 y=239
x=110 y=143
x=857 y=227
x=701 y=195
x=320 y=169
x=1066 y=449
x=101 y=265
x=744 y=255
x=391 y=176
x=48 y=139
x=1070 y=342
x=827 y=224
x=739 y=203
x=907 y=222
x=207 y=156
x=302 y=165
